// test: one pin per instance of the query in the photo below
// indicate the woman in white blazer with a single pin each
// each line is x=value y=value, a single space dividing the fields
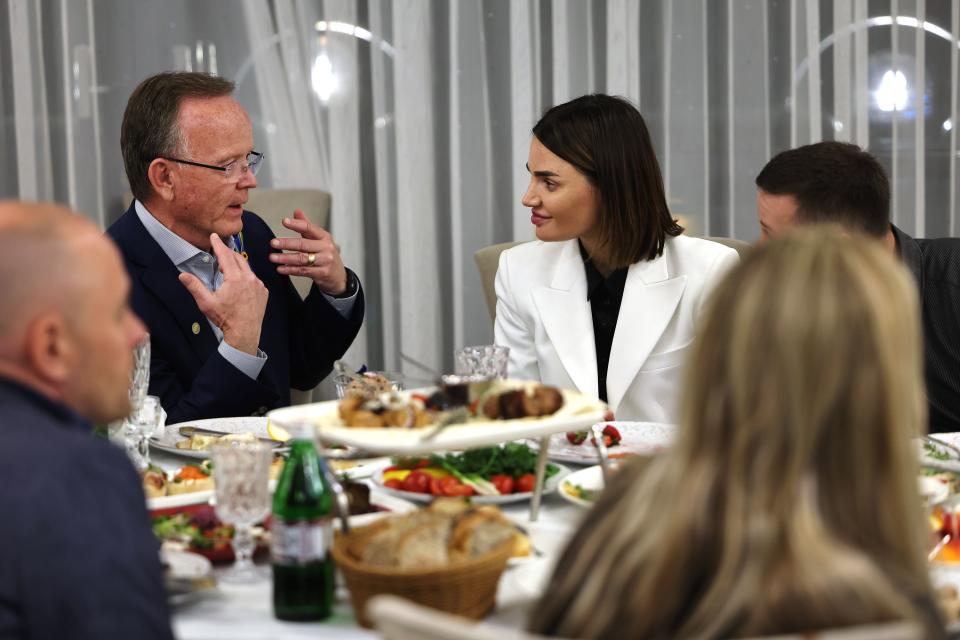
x=608 y=298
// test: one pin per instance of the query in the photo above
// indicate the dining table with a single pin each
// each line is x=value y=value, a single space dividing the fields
x=238 y=612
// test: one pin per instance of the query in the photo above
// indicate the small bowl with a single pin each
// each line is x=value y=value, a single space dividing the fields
x=378 y=383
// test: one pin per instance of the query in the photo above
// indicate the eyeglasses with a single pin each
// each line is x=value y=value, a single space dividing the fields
x=232 y=171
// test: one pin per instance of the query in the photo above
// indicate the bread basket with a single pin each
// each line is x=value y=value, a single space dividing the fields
x=466 y=587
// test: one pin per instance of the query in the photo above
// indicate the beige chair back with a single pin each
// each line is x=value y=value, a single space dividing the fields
x=399 y=619
x=742 y=248
x=888 y=631
x=488 y=258
x=273 y=205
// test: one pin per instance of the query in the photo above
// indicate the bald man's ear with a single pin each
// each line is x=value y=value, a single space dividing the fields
x=161 y=178
x=49 y=348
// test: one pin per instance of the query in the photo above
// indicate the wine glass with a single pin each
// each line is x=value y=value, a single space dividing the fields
x=140 y=376
x=241 y=477
x=489 y=360
x=145 y=420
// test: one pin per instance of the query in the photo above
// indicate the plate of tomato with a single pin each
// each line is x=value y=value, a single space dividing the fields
x=424 y=483
x=623 y=439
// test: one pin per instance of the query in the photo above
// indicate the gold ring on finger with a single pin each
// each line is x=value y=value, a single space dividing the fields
x=311 y=258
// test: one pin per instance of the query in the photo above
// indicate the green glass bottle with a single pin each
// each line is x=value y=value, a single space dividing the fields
x=302 y=532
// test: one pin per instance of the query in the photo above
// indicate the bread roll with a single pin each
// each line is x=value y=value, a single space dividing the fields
x=479 y=531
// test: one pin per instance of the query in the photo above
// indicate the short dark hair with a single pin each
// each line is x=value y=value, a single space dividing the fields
x=832 y=182
x=149 y=128
x=607 y=141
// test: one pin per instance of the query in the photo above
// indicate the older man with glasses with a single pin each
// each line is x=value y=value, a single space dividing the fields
x=229 y=333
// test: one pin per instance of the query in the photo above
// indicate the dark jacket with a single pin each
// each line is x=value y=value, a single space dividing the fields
x=302 y=338
x=936 y=266
x=77 y=556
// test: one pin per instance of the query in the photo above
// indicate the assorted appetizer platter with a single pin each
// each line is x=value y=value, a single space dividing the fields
x=421 y=423
x=489 y=475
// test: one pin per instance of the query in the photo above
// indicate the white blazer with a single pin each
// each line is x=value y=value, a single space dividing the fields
x=544 y=316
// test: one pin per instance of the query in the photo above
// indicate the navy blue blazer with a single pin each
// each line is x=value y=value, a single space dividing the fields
x=77 y=556
x=302 y=338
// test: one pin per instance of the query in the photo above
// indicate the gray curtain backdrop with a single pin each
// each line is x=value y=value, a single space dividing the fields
x=415 y=115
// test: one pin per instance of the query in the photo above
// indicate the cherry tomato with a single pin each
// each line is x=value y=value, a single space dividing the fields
x=503 y=483
x=526 y=483
x=393 y=483
x=454 y=488
x=460 y=491
x=436 y=486
x=418 y=482
x=576 y=437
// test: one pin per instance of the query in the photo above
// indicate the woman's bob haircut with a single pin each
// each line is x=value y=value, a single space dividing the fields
x=606 y=139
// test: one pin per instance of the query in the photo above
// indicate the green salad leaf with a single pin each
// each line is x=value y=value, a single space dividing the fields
x=513 y=459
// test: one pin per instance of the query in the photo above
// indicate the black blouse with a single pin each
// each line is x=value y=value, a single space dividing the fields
x=605 y=295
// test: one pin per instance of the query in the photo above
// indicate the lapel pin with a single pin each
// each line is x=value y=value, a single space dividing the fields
x=195 y=328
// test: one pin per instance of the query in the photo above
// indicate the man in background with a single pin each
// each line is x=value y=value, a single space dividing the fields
x=839 y=182
x=229 y=333
x=78 y=558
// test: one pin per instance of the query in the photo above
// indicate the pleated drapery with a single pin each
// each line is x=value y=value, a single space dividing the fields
x=415 y=115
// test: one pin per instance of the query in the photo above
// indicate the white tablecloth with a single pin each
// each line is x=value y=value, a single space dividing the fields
x=245 y=612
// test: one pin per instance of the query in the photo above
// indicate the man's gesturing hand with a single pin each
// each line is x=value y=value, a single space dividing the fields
x=237 y=307
x=313 y=255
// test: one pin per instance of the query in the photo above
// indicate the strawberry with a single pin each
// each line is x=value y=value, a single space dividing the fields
x=613 y=434
x=576 y=437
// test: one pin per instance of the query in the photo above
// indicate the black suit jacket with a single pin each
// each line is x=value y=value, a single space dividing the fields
x=936 y=266
x=302 y=338
x=77 y=556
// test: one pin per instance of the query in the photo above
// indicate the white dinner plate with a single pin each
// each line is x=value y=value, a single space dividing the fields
x=590 y=478
x=578 y=412
x=549 y=485
x=361 y=468
x=638 y=438
x=168 y=437
x=186 y=575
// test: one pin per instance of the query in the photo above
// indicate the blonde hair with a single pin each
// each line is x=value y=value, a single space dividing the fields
x=789 y=500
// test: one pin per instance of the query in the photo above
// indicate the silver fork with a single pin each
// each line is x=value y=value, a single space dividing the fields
x=597 y=432
x=456 y=416
x=339 y=495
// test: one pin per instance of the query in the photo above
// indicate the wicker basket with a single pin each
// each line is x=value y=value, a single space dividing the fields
x=467 y=587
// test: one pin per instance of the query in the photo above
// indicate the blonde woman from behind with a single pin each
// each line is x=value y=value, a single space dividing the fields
x=789 y=501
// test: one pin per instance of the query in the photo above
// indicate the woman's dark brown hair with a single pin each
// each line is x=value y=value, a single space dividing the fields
x=606 y=139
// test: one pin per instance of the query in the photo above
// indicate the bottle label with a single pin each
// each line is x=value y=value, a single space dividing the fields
x=301 y=541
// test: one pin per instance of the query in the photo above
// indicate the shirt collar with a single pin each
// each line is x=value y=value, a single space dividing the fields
x=177 y=249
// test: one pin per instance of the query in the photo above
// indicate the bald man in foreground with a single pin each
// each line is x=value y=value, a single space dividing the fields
x=77 y=556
